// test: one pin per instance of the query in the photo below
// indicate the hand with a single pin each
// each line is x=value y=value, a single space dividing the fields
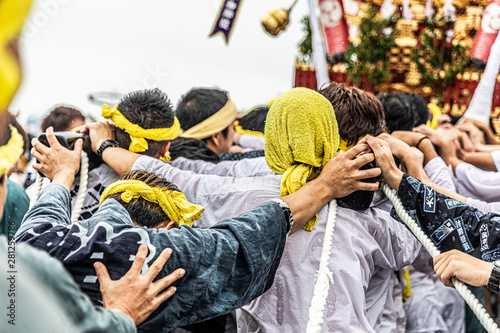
x=57 y=163
x=99 y=132
x=385 y=161
x=342 y=175
x=474 y=133
x=136 y=295
x=464 y=267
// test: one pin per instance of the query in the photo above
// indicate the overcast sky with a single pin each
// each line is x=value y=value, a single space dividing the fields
x=73 y=47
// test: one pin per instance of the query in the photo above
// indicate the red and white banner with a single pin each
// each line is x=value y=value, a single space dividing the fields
x=485 y=37
x=333 y=26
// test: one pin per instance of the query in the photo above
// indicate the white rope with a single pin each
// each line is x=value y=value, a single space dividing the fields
x=37 y=188
x=471 y=300
x=82 y=191
x=323 y=276
x=84 y=176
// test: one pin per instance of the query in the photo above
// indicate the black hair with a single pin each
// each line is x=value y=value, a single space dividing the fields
x=255 y=120
x=149 y=108
x=60 y=118
x=420 y=108
x=399 y=115
x=143 y=212
x=199 y=104
x=192 y=149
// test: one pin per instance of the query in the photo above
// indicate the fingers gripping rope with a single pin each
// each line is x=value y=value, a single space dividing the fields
x=323 y=276
x=467 y=295
x=84 y=176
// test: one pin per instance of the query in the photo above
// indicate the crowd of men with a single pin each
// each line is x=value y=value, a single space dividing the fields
x=200 y=218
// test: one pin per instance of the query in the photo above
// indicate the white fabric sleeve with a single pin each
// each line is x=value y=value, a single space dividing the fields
x=439 y=174
x=485 y=207
x=248 y=167
x=477 y=183
x=496 y=158
x=253 y=142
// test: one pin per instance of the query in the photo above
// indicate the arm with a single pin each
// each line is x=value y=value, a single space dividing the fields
x=481 y=160
x=251 y=141
x=413 y=139
x=119 y=159
x=249 y=167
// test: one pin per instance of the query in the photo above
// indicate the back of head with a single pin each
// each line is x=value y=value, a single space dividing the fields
x=192 y=149
x=255 y=120
x=420 y=108
x=141 y=211
x=62 y=118
x=358 y=113
x=301 y=137
x=199 y=104
x=399 y=115
x=149 y=109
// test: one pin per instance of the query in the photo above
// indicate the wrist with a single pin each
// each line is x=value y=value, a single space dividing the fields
x=99 y=143
x=393 y=178
x=118 y=309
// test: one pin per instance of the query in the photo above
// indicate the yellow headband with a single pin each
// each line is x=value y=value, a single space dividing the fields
x=240 y=130
x=12 y=16
x=436 y=113
x=173 y=203
x=213 y=124
x=138 y=135
x=301 y=137
x=12 y=151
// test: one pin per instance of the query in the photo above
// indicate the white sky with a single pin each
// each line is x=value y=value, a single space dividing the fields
x=74 y=47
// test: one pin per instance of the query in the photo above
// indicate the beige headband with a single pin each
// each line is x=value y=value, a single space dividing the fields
x=213 y=124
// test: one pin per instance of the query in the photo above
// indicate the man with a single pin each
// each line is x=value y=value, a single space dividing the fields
x=40 y=295
x=208 y=115
x=144 y=123
x=301 y=135
x=226 y=266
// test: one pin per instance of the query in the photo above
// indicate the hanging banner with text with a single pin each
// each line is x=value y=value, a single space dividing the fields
x=226 y=18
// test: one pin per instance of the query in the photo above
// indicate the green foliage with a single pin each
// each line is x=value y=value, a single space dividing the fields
x=370 y=57
x=439 y=60
x=305 y=47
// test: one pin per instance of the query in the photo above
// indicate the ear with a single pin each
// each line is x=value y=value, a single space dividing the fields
x=167 y=225
x=216 y=139
x=163 y=150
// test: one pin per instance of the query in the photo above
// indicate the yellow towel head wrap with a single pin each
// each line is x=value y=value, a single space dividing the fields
x=173 y=203
x=213 y=124
x=12 y=151
x=301 y=137
x=436 y=113
x=12 y=16
x=138 y=135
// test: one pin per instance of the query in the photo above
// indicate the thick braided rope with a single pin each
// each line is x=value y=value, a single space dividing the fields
x=37 y=188
x=323 y=276
x=467 y=295
x=84 y=177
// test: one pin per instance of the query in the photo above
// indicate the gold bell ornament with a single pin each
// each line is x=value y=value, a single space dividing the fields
x=276 y=20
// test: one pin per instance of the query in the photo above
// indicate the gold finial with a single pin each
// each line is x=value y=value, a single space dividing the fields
x=276 y=20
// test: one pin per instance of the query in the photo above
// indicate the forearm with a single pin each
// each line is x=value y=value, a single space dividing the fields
x=427 y=148
x=307 y=202
x=53 y=205
x=481 y=160
x=488 y=147
x=119 y=159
